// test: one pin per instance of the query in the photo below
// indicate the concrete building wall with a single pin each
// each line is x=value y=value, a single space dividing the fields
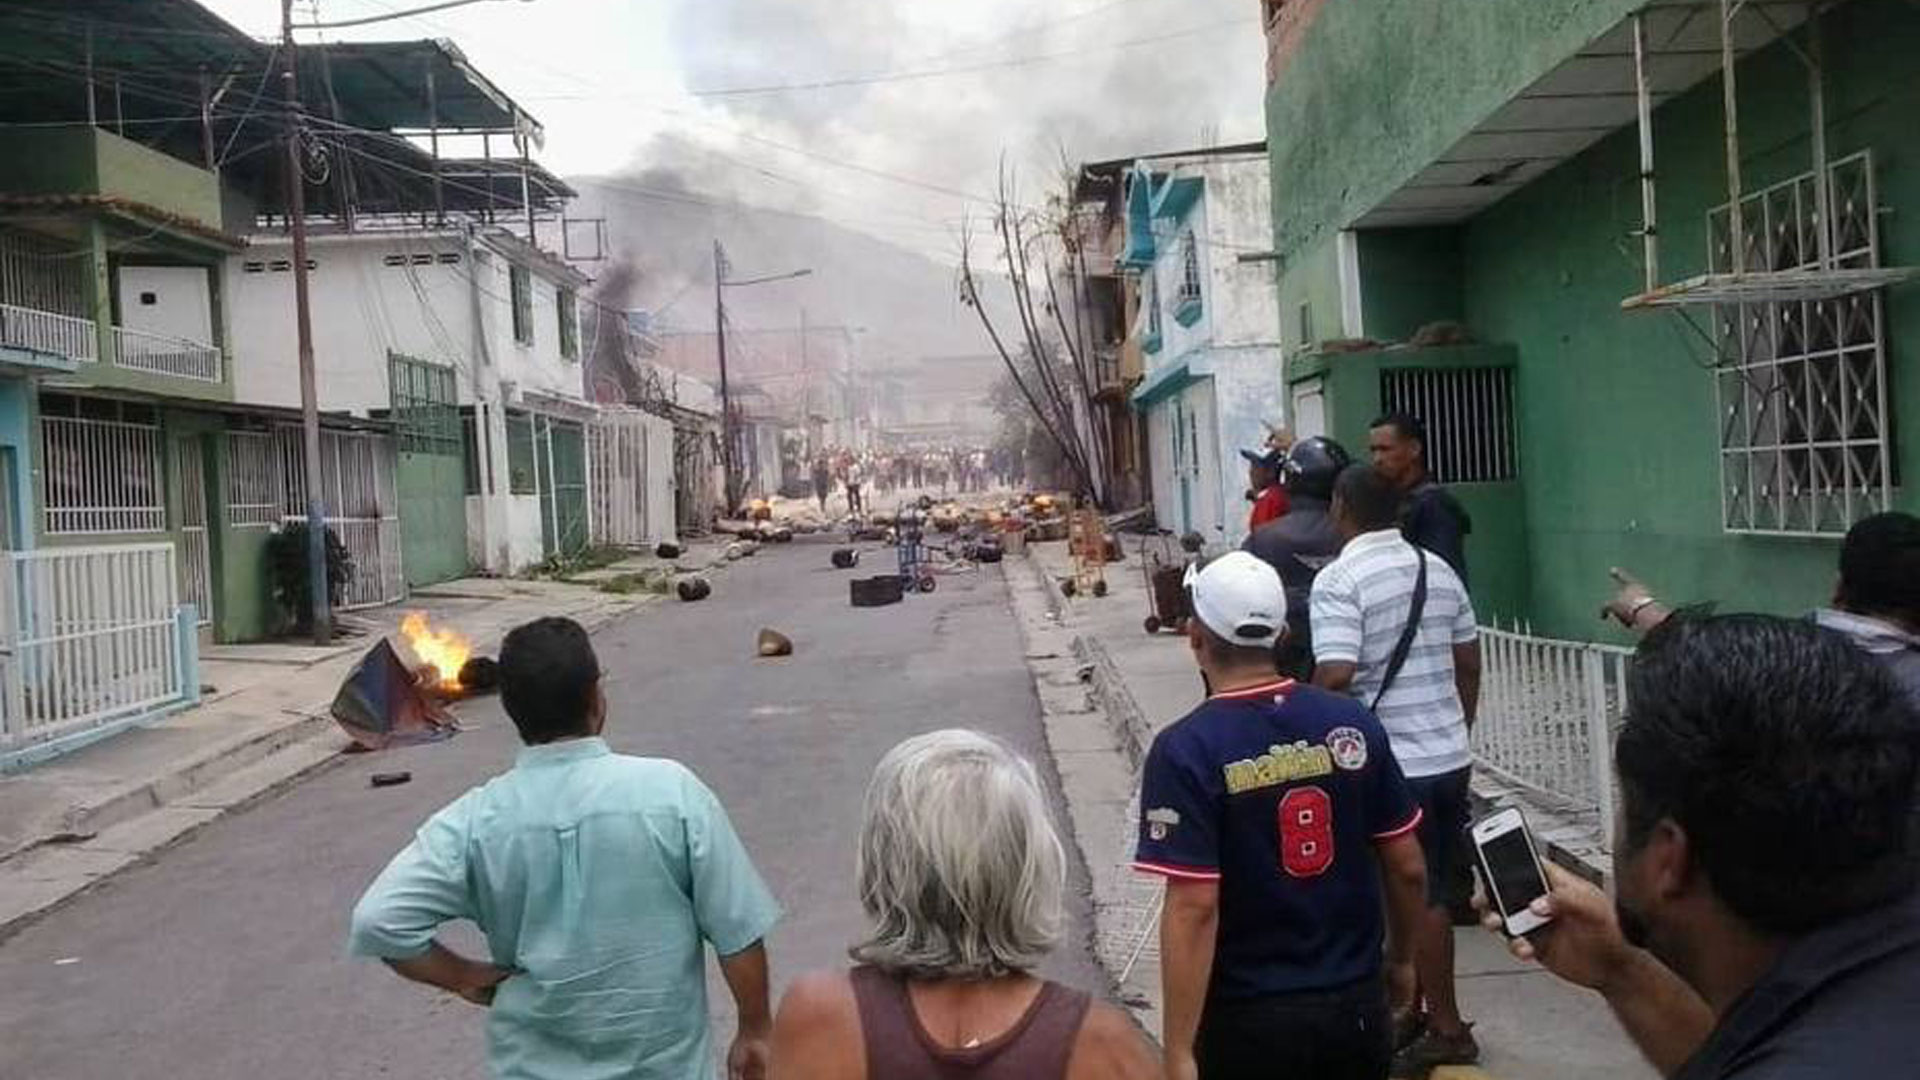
x=1618 y=420
x=1248 y=402
x=1370 y=91
x=362 y=309
x=1617 y=414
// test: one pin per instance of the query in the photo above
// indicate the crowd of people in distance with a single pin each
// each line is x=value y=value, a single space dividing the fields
x=944 y=470
x=1308 y=817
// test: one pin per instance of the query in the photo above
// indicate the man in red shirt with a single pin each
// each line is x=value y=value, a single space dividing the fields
x=1263 y=479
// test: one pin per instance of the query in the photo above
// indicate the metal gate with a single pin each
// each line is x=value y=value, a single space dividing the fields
x=196 y=548
x=561 y=458
x=362 y=502
x=693 y=487
x=430 y=469
x=629 y=478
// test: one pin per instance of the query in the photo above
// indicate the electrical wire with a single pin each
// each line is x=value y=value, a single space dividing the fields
x=964 y=69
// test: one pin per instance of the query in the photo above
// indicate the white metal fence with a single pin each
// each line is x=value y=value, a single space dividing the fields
x=48 y=332
x=141 y=351
x=88 y=636
x=1549 y=711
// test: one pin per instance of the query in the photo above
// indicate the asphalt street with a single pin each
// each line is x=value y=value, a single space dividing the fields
x=224 y=957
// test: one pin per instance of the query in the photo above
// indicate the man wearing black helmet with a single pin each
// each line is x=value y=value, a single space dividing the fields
x=1301 y=542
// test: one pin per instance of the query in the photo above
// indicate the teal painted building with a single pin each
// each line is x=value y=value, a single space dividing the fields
x=1206 y=330
x=1626 y=373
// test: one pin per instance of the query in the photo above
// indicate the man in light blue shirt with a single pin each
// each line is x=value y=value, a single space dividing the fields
x=598 y=879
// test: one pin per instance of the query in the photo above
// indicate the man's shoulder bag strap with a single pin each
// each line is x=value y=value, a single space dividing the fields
x=1405 y=645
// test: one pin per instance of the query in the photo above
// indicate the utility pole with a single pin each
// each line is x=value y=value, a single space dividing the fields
x=303 y=323
x=726 y=396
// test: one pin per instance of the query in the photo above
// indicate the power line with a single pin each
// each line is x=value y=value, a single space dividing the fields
x=964 y=69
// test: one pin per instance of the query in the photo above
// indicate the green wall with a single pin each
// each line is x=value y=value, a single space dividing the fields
x=1313 y=277
x=1412 y=277
x=1497 y=549
x=1379 y=88
x=243 y=602
x=90 y=161
x=1617 y=415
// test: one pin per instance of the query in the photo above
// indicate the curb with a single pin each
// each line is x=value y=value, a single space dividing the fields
x=1093 y=738
x=125 y=827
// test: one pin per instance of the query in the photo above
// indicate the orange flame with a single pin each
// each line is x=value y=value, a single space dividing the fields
x=445 y=651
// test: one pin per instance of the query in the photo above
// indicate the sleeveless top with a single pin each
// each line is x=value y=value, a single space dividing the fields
x=1037 y=1047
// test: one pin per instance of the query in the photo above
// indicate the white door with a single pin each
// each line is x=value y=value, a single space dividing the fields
x=1310 y=409
x=172 y=301
x=660 y=480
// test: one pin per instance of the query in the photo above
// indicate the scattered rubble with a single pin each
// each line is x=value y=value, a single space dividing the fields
x=693 y=588
x=774 y=643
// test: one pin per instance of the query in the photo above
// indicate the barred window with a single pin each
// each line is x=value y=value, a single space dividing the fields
x=256 y=485
x=424 y=409
x=102 y=466
x=569 y=311
x=1468 y=413
x=520 y=284
x=1805 y=444
x=520 y=457
x=1190 y=286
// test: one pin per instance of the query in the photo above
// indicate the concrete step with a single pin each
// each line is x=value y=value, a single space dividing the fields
x=179 y=779
x=42 y=878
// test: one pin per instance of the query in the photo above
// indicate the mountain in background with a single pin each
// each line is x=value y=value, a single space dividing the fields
x=904 y=305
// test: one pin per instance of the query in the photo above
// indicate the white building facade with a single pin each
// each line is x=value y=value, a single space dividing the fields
x=468 y=339
x=1209 y=330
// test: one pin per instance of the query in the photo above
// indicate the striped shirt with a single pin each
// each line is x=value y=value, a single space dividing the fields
x=1360 y=605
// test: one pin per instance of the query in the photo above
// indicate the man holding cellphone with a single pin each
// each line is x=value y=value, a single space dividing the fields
x=1276 y=813
x=1766 y=926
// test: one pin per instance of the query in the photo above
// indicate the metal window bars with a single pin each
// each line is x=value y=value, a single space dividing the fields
x=1801 y=374
x=102 y=476
x=1469 y=417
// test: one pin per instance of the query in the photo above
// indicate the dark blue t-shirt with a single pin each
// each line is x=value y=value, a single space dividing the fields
x=1280 y=793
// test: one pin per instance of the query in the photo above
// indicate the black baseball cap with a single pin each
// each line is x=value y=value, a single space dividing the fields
x=1266 y=458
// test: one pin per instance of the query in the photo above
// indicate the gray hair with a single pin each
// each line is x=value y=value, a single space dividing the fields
x=960 y=869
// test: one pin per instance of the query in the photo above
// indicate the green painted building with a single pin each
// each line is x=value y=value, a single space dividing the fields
x=1619 y=368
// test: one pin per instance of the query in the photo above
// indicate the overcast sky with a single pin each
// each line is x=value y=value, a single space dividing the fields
x=627 y=86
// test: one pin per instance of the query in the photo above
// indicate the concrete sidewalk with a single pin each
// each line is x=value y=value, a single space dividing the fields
x=262 y=721
x=1107 y=687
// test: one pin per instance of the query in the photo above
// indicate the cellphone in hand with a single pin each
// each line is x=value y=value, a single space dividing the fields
x=1510 y=869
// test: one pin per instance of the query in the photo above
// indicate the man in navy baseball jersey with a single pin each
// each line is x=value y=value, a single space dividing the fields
x=1276 y=812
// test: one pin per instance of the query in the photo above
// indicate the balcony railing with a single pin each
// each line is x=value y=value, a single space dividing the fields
x=162 y=355
x=47 y=332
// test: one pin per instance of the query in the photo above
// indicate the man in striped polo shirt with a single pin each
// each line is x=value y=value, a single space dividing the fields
x=1421 y=677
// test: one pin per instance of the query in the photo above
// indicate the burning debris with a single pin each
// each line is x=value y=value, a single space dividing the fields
x=396 y=696
x=442 y=654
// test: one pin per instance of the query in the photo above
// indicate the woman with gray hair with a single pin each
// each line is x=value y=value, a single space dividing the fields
x=963 y=876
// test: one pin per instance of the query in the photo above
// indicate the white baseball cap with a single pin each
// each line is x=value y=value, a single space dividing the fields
x=1240 y=598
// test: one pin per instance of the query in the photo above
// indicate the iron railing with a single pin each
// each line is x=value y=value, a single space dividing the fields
x=49 y=332
x=138 y=350
x=90 y=637
x=1549 y=711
